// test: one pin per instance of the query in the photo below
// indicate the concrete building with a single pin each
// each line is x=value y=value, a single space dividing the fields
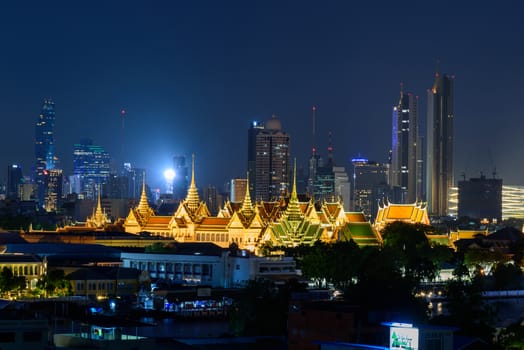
x=440 y=140
x=404 y=171
x=268 y=159
x=480 y=198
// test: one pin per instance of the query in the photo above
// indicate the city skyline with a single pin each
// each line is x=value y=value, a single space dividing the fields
x=204 y=71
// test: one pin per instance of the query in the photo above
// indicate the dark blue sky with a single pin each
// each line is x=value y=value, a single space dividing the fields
x=194 y=74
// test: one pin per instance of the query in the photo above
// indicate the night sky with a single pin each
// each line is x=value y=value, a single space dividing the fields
x=192 y=75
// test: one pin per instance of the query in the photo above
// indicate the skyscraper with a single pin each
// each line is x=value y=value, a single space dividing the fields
x=268 y=159
x=252 y=133
x=14 y=178
x=370 y=185
x=324 y=180
x=181 y=180
x=91 y=164
x=44 y=146
x=53 y=193
x=404 y=171
x=439 y=162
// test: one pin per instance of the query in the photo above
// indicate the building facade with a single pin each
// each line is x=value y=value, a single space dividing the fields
x=403 y=171
x=268 y=159
x=480 y=198
x=91 y=167
x=238 y=189
x=53 y=190
x=370 y=185
x=439 y=159
x=14 y=179
x=44 y=147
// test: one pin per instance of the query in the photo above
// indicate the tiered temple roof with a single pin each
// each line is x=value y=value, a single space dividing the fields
x=415 y=213
x=249 y=225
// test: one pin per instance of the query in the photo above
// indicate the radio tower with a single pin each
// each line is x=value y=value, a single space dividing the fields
x=313 y=160
x=122 y=146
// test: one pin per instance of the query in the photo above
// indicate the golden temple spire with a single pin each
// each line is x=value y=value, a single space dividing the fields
x=293 y=209
x=247 y=207
x=143 y=205
x=98 y=212
x=192 y=198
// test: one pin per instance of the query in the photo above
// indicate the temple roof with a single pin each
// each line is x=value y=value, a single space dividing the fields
x=361 y=232
x=411 y=213
x=356 y=217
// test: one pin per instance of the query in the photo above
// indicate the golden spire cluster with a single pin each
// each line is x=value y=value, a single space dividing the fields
x=143 y=205
x=247 y=206
x=192 y=198
x=293 y=209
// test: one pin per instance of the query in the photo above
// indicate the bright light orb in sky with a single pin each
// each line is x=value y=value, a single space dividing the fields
x=169 y=174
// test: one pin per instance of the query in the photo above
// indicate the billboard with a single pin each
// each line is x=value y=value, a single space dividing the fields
x=403 y=338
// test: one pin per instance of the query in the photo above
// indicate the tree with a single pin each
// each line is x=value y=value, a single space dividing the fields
x=483 y=260
x=507 y=276
x=412 y=252
x=55 y=283
x=9 y=282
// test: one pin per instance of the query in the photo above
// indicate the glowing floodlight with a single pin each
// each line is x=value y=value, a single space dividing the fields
x=169 y=174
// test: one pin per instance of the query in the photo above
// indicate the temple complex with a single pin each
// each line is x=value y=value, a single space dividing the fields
x=250 y=225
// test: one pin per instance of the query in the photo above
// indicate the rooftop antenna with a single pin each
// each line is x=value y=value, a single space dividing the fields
x=123 y=113
x=330 y=150
x=314 y=116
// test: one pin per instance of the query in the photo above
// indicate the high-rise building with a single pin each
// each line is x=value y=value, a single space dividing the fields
x=238 y=190
x=480 y=198
x=268 y=159
x=370 y=185
x=212 y=198
x=252 y=133
x=53 y=190
x=342 y=186
x=324 y=178
x=403 y=172
x=44 y=146
x=91 y=164
x=439 y=160
x=512 y=199
x=135 y=177
x=14 y=179
x=116 y=187
x=181 y=180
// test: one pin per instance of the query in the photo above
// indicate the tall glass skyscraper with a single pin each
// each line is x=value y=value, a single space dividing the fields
x=91 y=165
x=44 y=147
x=404 y=171
x=439 y=162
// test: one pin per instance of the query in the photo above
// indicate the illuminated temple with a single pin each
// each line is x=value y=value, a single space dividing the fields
x=250 y=225
x=415 y=213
